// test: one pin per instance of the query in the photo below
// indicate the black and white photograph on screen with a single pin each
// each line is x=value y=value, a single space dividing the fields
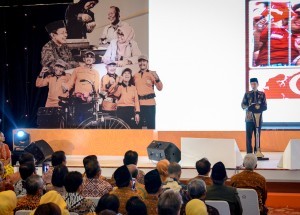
x=116 y=89
x=274 y=33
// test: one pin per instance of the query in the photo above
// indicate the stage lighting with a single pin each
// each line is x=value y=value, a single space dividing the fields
x=21 y=139
x=20 y=134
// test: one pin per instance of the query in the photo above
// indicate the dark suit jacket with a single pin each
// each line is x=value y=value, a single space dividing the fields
x=225 y=193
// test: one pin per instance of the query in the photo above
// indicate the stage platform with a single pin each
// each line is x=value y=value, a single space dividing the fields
x=268 y=168
x=110 y=146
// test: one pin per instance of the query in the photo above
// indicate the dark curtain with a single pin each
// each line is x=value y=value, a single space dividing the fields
x=22 y=36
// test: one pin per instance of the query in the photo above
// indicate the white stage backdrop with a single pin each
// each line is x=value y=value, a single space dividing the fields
x=198 y=50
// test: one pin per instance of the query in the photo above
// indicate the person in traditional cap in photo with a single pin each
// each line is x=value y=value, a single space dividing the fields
x=123 y=50
x=128 y=106
x=54 y=81
x=83 y=77
x=258 y=99
x=56 y=48
x=110 y=31
x=108 y=84
x=80 y=19
x=222 y=192
x=145 y=80
x=83 y=89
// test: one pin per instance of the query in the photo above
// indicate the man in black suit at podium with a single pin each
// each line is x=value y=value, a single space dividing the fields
x=256 y=99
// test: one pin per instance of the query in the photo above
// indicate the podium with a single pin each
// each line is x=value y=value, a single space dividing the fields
x=256 y=110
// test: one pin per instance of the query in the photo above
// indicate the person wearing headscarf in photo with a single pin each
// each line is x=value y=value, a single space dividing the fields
x=56 y=48
x=110 y=31
x=8 y=202
x=54 y=197
x=123 y=50
x=128 y=106
x=80 y=19
x=162 y=168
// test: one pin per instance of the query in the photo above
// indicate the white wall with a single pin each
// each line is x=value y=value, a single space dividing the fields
x=198 y=49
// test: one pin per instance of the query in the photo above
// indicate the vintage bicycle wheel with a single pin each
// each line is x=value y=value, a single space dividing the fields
x=104 y=122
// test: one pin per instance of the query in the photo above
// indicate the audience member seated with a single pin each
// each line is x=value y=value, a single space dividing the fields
x=75 y=201
x=86 y=160
x=57 y=181
x=251 y=180
x=24 y=158
x=162 y=167
x=130 y=160
x=153 y=187
x=196 y=207
x=52 y=197
x=203 y=169
x=135 y=206
x=169 y=203
x=172 y=182
x=131 y=157
x=124 y=189
x=220 y=191
x=48 y=209
x=140 y=188
x=107 y=212
x=57 y=158
x=196 y=189
x=26 y=170
x=8 y=202
x=34 y=189
x=93 y=185
x=108 y=202
x=5 y=156
x=4 y=184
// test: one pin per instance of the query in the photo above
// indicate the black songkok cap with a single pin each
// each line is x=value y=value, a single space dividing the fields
x=53 y=26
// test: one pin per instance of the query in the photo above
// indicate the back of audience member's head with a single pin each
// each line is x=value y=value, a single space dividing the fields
x=162 y=167
x=26 y=157
x=135 y=173
x=73 y=181
x=58 y=157
x=26 y=170
x=59 y=174
x=34 y=185
x=218 y=174
x=92 y=169
x=152 y=182
x=122 y=177
x=89 y=158
x=197 y=189
x=130 y=157
x=250 y=161
x=135 y=206
x=108 y=201
x=195 y=207
x=203 y=166
x=107 y=212
x=174 y=169
x=47 y=209
x=169 y=203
